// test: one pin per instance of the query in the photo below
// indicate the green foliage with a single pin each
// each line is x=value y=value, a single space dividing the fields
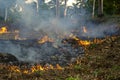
x=73 y=78
x=112 y=6
x=44 y=7
x=70 y=78
x=38 y=73
x=116 y=68
x=97 y=72
x=93 y=46
x=89 y=5
x=77 y=67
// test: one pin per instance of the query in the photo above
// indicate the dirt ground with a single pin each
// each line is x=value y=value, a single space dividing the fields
x=100 y=62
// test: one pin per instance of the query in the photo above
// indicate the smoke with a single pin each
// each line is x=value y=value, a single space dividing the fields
x=37 y=23
x=44 y=20
x=98 y=30
x=31 y=51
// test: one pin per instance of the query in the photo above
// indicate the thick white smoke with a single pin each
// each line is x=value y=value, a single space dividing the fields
x=37 y=23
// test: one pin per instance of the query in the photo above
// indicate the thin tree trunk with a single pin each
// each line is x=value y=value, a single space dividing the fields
x=93 y=12
x=100 y=8
x=65 y=10
x=6 y=14
x=57 y=9
x=37 y=6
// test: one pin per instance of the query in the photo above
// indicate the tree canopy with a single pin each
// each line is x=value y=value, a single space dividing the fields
x=110 y=7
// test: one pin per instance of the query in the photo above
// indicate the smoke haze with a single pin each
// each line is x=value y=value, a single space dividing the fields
x=37 y=24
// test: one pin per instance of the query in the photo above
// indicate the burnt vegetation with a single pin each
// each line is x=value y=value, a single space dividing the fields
x=101 y=61
x=54 y=40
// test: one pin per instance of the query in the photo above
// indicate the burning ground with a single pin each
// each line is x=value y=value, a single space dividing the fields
x=100 y=62
x=42 y=45
x=84 y=58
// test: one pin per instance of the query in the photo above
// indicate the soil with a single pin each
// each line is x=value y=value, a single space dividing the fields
x=100 y=62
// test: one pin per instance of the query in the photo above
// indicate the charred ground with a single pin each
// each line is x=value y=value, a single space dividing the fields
x=101 y=62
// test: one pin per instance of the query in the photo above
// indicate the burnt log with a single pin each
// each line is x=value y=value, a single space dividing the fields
x=7 y=58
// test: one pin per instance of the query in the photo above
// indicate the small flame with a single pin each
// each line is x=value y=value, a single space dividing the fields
x=59 y=67
x=35 y=68
x=45 y=39
x=84 y=42
x=10 y=34
x=80 y=42
x=17 y=34
x=49 y=66
x=84 y=29
x=15 y=69
x=3 y=30
x=25 y=71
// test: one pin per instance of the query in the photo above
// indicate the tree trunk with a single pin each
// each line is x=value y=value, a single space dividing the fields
x=65 y=10
x=57 y=9
x=37 y=6
x=100 y=8
x=6 y=14
x=93 y=12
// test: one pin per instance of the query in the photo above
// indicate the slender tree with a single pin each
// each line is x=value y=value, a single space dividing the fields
x=65 y=10
x=100 y=8
x=57 y=9
x=5 y=5
x=93 y=11
x=6 y=14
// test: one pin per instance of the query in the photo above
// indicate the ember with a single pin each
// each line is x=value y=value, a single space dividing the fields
x=84 y=42
x=45 y=39
x=84 y=29
x=9 y=34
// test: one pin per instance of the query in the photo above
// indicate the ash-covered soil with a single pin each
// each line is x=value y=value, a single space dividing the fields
x=100 y=62
x=30 y=51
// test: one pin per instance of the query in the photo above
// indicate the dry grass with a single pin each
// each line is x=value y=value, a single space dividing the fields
x=101 y=62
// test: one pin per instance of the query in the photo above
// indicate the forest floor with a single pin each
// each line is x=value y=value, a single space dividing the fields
x=100 y=62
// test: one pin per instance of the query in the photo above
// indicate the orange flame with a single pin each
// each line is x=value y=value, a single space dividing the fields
x=45 y=39
x=15 y=69
x=84 y=29
x=25 y=71
x=59 y=67
x=80 y=42
x=84 y=42
x=35 y=68
x=3 y=30
x=10 y=34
